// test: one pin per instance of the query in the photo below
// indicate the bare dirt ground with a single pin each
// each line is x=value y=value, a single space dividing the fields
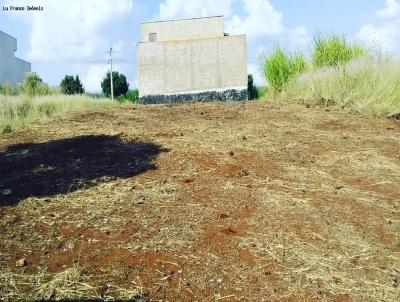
x=202 y=202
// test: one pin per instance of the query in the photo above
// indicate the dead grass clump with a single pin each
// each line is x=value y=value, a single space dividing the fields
x=68 y=284
x=9 y=286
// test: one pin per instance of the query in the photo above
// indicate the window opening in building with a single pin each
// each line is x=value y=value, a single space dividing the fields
x=153 y=37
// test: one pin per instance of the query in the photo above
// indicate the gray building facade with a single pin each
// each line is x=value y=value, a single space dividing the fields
x=191 y=60
x=12 y=69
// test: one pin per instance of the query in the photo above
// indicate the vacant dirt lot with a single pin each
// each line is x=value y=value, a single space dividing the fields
x=202 y=202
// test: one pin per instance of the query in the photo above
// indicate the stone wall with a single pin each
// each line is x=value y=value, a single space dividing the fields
x=206 y=96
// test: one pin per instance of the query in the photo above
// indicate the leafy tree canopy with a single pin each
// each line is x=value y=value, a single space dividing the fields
x=71 y=85
x=120 y=85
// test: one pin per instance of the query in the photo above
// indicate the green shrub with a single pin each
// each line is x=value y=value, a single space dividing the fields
x=6 y=129
x=33 y=86
x=121 y=99
x=334 y=50
x=281 y=67
x=132 y=96
x=262 y=92
x=71 y=85
x=120 y=85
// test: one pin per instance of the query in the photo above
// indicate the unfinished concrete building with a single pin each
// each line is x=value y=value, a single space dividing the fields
x=12 y=69
x=191 y=60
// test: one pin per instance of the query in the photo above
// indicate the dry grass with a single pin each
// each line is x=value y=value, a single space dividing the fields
x=67 y=285
x=255 y=202
x=367 y=85
x=18 y=111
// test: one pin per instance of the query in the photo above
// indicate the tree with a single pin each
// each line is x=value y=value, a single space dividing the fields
x=120 y=85
x=71 y=85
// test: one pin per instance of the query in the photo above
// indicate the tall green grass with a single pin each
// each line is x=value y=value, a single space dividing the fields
x=8 y=89
x=366 y=85
x=281 y=67
x=340 y=74
x=17 y=111
x=334 y=50
x=33 y=85
x=130 y=96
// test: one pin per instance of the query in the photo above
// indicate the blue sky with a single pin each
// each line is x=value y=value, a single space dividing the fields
x=71 y=37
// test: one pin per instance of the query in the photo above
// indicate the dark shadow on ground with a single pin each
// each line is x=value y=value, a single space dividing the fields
x=64 y=166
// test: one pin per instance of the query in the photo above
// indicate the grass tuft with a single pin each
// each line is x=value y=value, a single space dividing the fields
x=334 y=51
x=17 y=111
x=367 y=86
x=66 y=285
x=341 y=74
x=71 y=284
x=281 y=67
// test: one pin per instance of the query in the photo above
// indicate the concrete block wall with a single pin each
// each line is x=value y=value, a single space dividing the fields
x=184 y=29
x=193 y=66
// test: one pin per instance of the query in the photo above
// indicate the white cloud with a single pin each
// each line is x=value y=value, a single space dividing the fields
x=262 y=19
x=171 y=9
x=383 y=34
x=299 y=37
x=392 y=10
x=74 y=32
x=93 y=77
